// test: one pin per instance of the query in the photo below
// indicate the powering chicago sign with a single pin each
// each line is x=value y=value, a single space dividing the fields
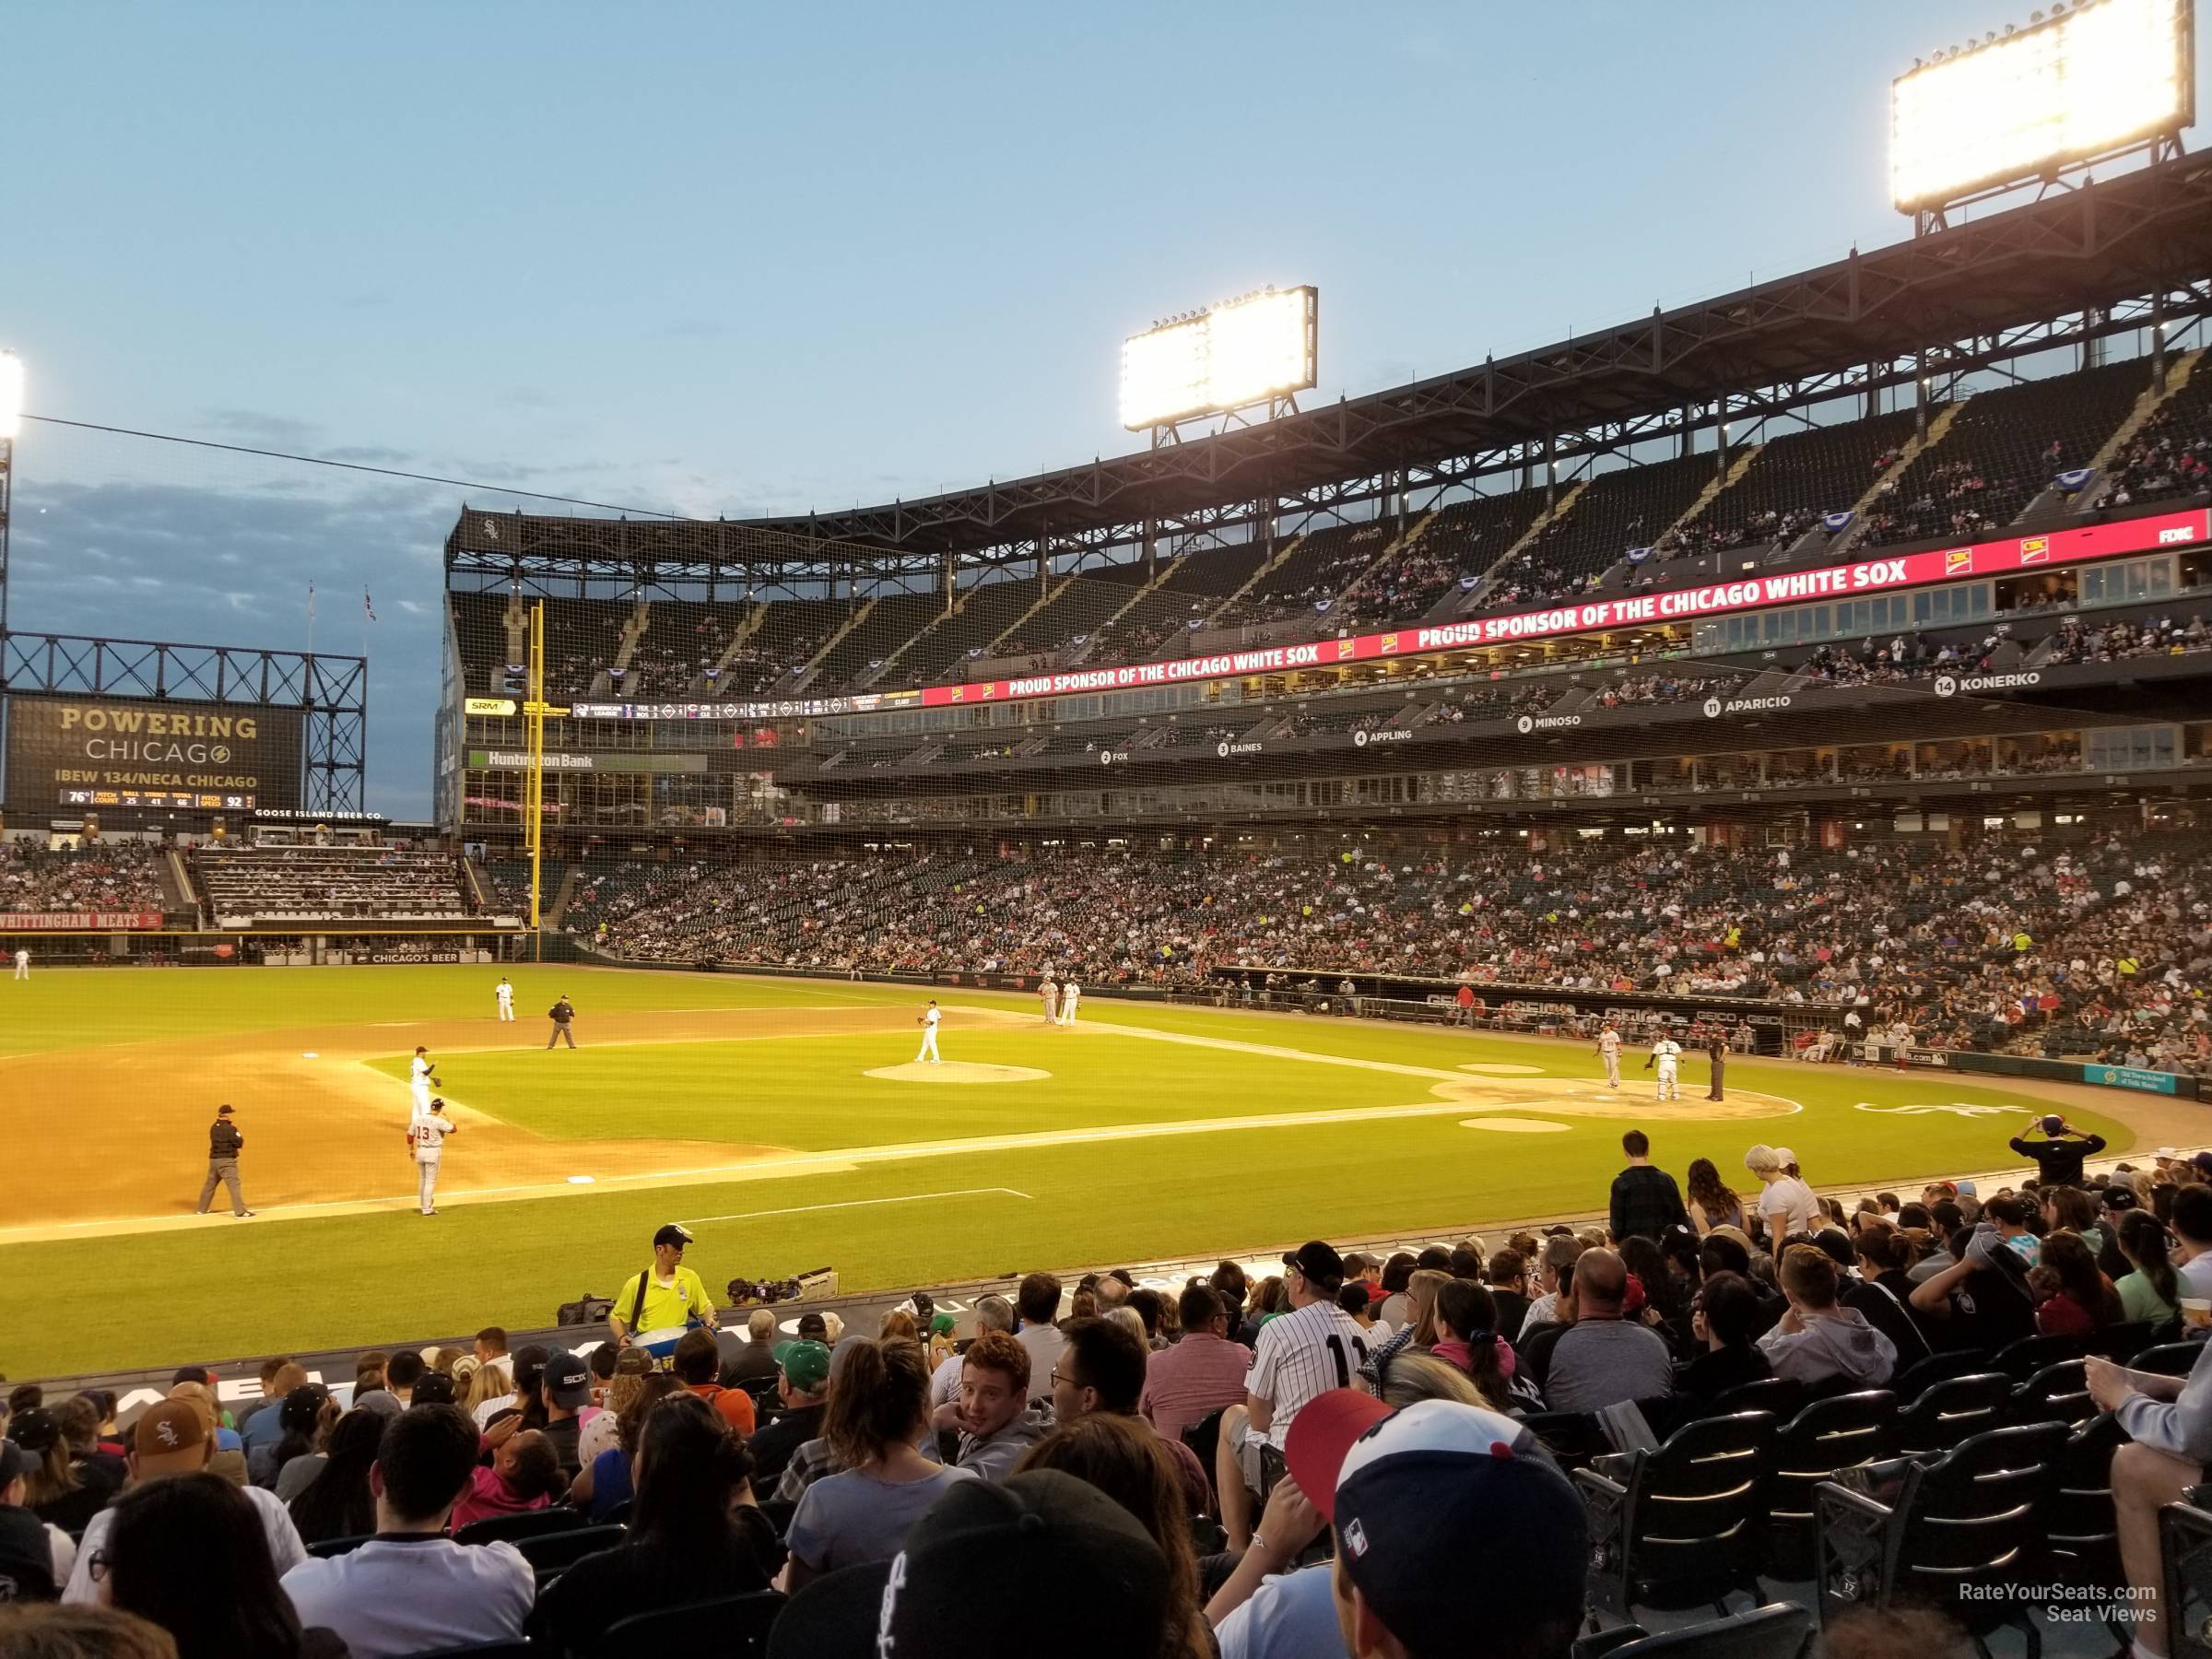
x=109 y=751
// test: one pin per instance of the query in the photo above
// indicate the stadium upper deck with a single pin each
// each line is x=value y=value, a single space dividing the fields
x=1781 y=521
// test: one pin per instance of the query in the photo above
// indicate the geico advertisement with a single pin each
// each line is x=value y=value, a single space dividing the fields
x=55 y=744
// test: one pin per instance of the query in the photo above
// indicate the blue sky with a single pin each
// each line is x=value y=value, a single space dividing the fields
x=732 y=259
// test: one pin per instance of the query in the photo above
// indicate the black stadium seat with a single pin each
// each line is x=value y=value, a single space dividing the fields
x=1778 y=1630
x=729 y=1626
x=530 y=1524
x=1678 y=1525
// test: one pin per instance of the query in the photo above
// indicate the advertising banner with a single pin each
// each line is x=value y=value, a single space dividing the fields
x=94 y=752
x=77 y=921
x=2006 y=556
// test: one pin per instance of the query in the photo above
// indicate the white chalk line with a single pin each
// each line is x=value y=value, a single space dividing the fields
x=808 y=1210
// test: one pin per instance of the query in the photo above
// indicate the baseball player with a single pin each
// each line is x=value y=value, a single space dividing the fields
x=1070 y=993
x=1608 y=1050
x=928 y=1023
x=1049 y=993
x=22 y=961
x=1667 y=1054
x=224 y=1143
x=427 y=1131
x=504 y=994
x=420 y=1081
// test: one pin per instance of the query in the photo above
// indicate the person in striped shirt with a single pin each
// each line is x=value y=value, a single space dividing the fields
x=1299 y=1357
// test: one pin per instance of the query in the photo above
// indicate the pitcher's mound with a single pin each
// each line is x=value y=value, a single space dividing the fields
x=956 y=1071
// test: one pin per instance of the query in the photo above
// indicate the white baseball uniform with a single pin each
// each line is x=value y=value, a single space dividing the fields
x=22 y=962
x=1666 y=1055
x=427 y=1130
x=419 y=1082
x=929 y=1039
x=1069 y=993
x=1050 y=993
x=505 y=993
x=1608 y=1050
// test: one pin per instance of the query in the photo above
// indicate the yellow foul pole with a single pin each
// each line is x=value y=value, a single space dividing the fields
x=534 y=789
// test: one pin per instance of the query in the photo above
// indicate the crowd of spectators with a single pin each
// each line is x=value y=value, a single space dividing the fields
x=2170 y=455
x=102 y=875
x=2097 y=946
x=2079 y=641
x=1305 y=1464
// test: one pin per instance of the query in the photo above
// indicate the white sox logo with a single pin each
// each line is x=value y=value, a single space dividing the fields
x=1965 y=1109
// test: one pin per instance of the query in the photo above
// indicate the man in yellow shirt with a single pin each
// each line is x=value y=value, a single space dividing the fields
x=666 y=1296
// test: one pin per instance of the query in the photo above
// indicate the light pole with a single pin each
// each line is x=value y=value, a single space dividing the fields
x=11 y=417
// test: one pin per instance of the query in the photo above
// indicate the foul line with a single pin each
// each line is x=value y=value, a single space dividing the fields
x=807 y=1209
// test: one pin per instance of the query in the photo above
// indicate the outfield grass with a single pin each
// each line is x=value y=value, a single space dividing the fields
x=235 y=1290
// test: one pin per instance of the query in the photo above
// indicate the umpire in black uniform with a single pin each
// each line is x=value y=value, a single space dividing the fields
x=224 y=1143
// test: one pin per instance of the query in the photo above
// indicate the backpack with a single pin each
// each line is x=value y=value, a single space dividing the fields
x=586 y=1310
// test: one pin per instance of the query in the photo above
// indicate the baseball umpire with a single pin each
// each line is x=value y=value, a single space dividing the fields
x=224 y=1143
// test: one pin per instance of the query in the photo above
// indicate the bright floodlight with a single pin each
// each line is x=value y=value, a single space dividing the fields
x=2096 y=79
x=11 y=393
x=1236 y=354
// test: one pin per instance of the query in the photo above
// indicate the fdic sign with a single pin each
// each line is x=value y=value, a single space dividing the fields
x=85 y=753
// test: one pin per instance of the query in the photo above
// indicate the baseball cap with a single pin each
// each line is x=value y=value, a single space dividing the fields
x=1965 y=1189
x=1415 y=1495
x=224 y=1109
x=2053 y=1124
x=35 y=1429
x=1785 y=1157
x=943 y=1324
x=806 y=1363
x=674 y=1234
x=17 y=1460
x=568 y=1380
x=1062 y=1539
x=1320 y=1263
x=435 y=1388
x=2168 y=1155
x=813 y=1327
x=169 y=1437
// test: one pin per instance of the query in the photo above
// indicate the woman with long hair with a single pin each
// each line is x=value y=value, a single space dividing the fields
x=1397 y=1272
x=879 y=1414
x=59 y=1491
x=1124 y=1459
x=610 y=1478
x=1464 y=1318
x=2082 y=1299
x=632 y=1366
x=489 y=1382
x=1268 y=1299
x=338 y=1502
x=1420 y=1296
x=2150 y=1289
x=301 y=1472
x=189 y=1553
x=298 y=1415
x=694 y=1534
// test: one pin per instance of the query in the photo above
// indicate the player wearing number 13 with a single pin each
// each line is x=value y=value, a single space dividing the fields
x=427 y=1131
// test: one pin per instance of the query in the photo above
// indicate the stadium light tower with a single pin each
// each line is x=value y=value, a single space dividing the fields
x=2038 y=105
x=11 y=420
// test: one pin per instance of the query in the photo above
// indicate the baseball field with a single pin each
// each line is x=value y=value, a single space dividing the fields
x=782 y=1121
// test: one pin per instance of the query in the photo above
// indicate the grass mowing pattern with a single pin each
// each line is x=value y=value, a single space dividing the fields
x=241 y=1289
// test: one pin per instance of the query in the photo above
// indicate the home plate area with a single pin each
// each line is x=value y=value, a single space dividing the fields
x=956 y=1071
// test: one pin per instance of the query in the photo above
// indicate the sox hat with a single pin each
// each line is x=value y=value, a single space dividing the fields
x=1416 y=1495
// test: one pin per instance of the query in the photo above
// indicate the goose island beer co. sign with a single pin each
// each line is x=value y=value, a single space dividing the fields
x=87 y=753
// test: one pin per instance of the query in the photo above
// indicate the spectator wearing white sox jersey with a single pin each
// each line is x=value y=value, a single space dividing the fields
x=1299 y=1357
